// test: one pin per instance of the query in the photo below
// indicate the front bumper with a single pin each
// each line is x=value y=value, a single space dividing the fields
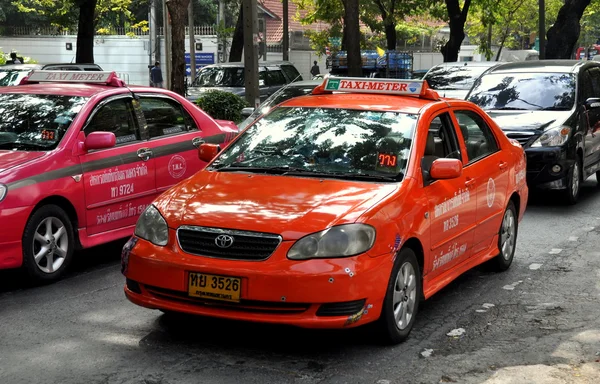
x=540 y=162
x=12 y=221
x=327 y=293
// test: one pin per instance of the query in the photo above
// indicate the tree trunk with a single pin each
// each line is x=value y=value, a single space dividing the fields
x=457 y=19
x=390 y=36
x=563 y=35
x=85 y=31
x=237 y=42
x=352 y=32
x=178 y=12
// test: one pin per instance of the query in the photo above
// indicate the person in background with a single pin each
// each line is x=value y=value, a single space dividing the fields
x=14 y=58
x=156 y=79
x=315 y=69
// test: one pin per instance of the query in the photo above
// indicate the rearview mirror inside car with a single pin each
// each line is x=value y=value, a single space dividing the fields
x=446 y=169
x=246 y=112
x=100 y=140
x=207 y=151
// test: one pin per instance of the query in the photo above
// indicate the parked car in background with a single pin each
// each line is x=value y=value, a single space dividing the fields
x=12 y=74
x=299 y=88
x=230 y=77
x=81 y=158
x=552 y=107
x=454 y=80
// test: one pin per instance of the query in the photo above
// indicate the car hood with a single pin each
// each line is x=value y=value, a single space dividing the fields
x=453 y=93
x=528 y=120
x=290 y=206
x=196 y=92
x=10 y=159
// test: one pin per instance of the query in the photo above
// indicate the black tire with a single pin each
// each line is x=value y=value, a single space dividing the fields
x=571 y=194
x=598 y=177
x=386 y=326
x=504 y=258
x=34 y=270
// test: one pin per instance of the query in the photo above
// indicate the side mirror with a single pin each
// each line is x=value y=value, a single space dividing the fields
x=592 y=103
x=207 y=152
x=246 y=112
x=100 y=140
x=446 y=169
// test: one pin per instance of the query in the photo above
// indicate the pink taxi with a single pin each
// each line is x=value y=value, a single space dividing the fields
x=82 y=155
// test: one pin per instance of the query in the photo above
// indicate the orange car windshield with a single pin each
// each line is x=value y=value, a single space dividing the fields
x=341 y=143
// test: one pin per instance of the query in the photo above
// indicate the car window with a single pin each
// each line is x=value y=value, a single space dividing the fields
x=442 y=141
x=595 y=80
x=477 y=135
x=521 y=91
x=458 y=77
x=275 y=77
x=165 y=117
x=220 y=77
x=36 y=122
x=12 y=77
x=291 y=72
x=262 y=78
x=117 y=117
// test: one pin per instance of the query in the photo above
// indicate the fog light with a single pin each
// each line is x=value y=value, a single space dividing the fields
x=556 y=168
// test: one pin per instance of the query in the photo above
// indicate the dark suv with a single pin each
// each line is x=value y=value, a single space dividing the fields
x=229 y=77
x=552 y=107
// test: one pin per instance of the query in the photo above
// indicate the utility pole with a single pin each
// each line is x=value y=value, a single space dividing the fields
x=151 y=36
x=286 y=37
x=542 y=29
x=250 y=53
x=167 y=38
x=192 y=34
x=221 y=23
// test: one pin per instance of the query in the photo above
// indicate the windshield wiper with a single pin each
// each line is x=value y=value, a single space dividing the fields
x=343 y=175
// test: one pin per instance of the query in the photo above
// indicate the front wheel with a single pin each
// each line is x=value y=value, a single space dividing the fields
x=48 y=244
x=507 y=239
x=573 y=183
x=401 y=302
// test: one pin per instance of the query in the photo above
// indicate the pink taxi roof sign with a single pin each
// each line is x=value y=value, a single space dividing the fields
x=380 y=86
x=87 y=77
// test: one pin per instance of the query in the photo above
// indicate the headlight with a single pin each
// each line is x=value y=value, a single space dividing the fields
x=339 y=241
x=553 y=137
x=152 y=226
x=3 y=190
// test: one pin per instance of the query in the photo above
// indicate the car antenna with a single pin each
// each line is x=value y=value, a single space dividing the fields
x=135 y=96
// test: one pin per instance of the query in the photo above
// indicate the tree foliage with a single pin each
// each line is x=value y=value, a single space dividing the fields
x=222 y=105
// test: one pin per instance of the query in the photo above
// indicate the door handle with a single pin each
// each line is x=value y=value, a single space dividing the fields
x=469 y=182
x=144 y=153
x=197 y=142
x=503 y=165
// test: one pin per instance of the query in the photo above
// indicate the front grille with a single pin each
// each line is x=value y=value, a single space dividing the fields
x=346 y=308
x=253 y=246
x=244 y=305
x=523 y=138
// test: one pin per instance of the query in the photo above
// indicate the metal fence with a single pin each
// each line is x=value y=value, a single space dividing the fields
x=199 y=30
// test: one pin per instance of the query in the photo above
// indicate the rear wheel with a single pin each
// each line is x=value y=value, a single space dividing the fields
x=48 y=244
x=507 y=239
x=573 y=183
x=401 y=302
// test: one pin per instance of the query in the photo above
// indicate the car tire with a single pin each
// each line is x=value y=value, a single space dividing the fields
x=48 y=244
x=401 y=303
x=573 y=183
x=507 y=239
x=598 y=177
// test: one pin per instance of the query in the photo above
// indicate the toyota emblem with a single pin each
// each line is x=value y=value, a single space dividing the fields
x=224 y=241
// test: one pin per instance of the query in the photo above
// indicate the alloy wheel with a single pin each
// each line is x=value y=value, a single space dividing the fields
x=508 y=234
x=50 y=244
x=405 y=295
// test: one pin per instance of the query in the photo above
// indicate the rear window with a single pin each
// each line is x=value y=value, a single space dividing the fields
x=36 y=122
x=454 y=77
x=291 y=72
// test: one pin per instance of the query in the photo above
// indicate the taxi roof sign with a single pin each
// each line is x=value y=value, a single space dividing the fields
x=380 y=86
x=87 y=77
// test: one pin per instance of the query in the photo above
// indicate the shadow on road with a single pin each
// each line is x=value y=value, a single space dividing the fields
x=84 y=261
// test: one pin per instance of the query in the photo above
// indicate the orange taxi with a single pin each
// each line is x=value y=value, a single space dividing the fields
x=336 y=209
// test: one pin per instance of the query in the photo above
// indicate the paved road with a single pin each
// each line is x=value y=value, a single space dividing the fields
x=527 y=325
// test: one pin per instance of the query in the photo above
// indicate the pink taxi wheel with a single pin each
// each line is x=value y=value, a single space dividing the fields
x=48 y=244
x=401 y=302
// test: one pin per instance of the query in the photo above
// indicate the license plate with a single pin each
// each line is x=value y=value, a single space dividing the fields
x=214 y=287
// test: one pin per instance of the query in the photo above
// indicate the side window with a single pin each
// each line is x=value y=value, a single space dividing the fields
x=595 y=80
x=275 y=77
x=441 y=141
x=165 y=117
x=478 y=137
x=291 y=73
x=116 y=117
x=262 y=78
x=586 y=84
